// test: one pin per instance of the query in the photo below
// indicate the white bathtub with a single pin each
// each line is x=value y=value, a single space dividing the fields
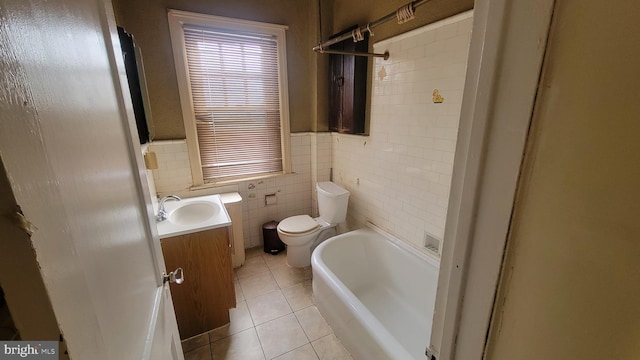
x=377 y=293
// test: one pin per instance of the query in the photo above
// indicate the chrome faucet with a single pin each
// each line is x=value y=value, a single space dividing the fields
x=162 y=214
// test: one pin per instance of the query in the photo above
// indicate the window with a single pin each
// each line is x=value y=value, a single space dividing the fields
x=233 y=91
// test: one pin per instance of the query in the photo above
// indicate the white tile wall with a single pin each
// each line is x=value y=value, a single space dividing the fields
x=150 y=181
x=174 y=171
x=400 y=175
x=320 y=164
x=323 y=158
x=293 y=191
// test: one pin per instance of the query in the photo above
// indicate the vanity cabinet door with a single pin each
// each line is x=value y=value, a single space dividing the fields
x=203 y=300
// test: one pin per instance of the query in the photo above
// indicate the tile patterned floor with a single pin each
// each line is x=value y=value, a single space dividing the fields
x=274 y=317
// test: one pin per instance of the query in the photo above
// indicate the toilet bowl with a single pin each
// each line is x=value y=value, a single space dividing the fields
x=302 y=233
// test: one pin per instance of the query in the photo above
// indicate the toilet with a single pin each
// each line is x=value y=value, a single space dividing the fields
x=302 y=233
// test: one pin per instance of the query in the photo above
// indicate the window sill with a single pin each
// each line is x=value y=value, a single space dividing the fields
x=237 y=181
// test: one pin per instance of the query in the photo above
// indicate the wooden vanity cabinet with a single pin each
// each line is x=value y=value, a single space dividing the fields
x=203 y=300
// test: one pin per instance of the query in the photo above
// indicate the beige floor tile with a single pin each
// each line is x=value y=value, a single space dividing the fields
x=252 y=266
x=239 y=294
x=201 y=353
x=253 y=252
x=267 y=307
x=259 y=284
x=281 y=335
x=313 y=324
x=275 y=261
x=274 y=317
x=195 y=342
x=330 y=348
x=241 y=346
x=302 y=353
x=287 y=276
x=240 y=321
x=299 y=296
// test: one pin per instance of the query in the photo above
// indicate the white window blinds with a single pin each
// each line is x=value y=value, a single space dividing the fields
x=236 y=101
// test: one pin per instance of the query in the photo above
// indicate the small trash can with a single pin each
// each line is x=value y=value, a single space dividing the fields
x=271 y=240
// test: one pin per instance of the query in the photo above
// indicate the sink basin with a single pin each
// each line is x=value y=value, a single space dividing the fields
x=191 y=215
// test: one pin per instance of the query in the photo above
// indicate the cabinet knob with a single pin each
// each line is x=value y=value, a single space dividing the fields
x=176 y=276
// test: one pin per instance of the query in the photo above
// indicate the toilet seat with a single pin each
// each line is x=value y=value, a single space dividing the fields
x=299 y=225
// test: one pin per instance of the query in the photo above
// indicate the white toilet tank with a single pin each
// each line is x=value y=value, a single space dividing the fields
x=332 y=202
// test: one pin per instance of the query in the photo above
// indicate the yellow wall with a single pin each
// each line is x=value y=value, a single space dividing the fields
x=308 y=92
x=571 y=285
x=147 y=21
x=350 y=12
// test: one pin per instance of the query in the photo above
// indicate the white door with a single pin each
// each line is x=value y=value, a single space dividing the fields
x=66 y=130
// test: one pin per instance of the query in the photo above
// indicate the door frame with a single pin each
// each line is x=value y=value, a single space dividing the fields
x=505 y=60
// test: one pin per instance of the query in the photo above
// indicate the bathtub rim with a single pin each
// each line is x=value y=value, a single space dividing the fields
x=407 y=246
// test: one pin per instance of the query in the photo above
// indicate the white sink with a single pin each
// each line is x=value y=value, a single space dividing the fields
x=191 y=215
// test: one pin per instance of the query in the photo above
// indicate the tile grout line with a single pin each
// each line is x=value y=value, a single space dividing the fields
x=292 y=312
x=298 y=320
x=305 y=334
x=264 y=354
x=295 y=316
x=288 y=302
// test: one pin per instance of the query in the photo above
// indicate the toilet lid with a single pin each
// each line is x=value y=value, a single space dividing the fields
x=298 y=224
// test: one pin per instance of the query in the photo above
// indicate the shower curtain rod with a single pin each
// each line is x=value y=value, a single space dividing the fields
x=356 y=53
x=361 y=30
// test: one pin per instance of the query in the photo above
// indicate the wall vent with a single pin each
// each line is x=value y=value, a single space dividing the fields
x=432 y=243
